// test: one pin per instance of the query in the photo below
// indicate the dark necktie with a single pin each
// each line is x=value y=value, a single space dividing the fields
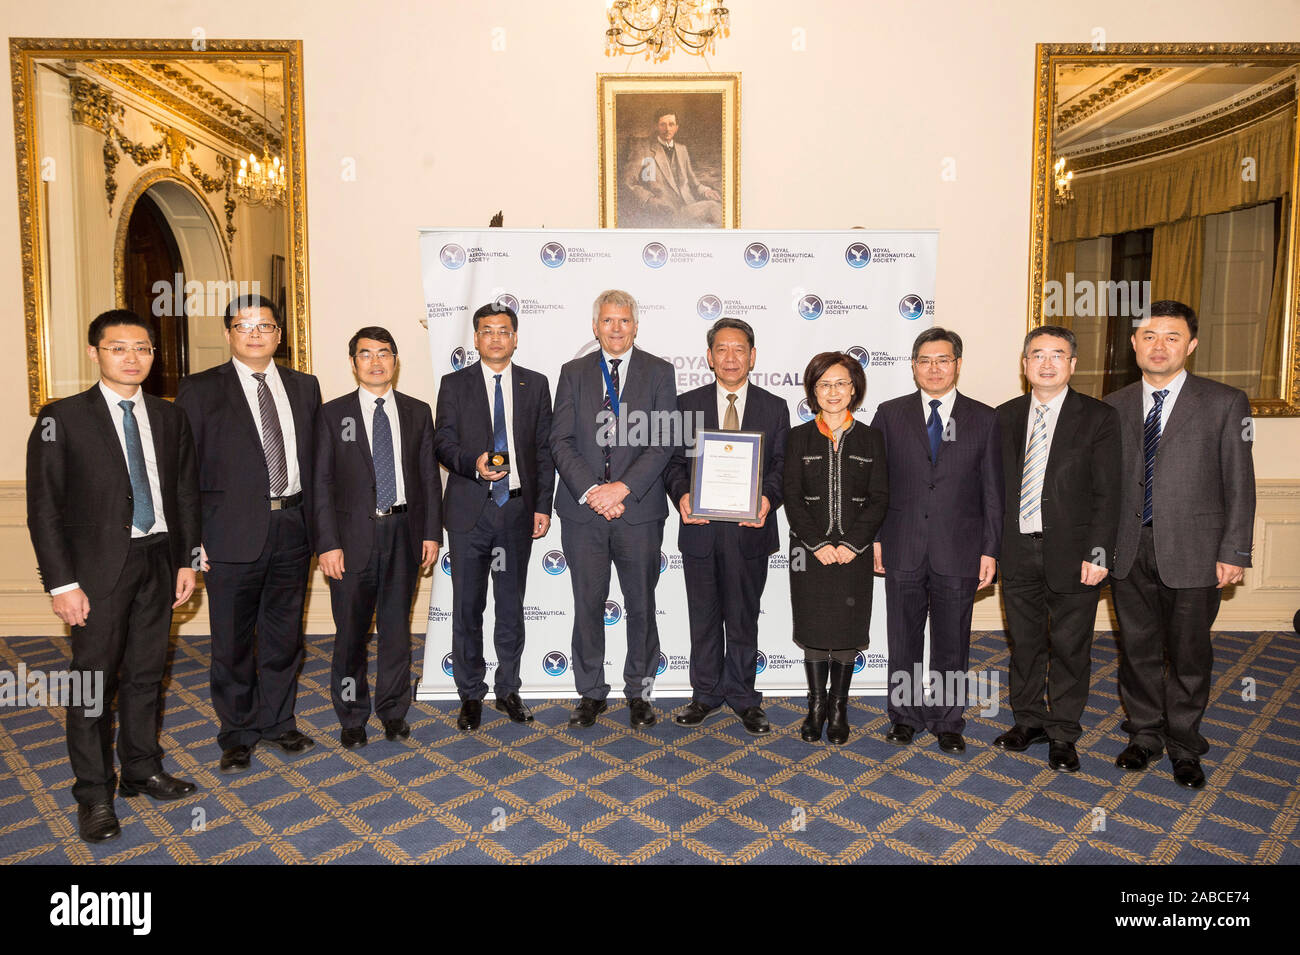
x=935 y=426
x=1150 y=443
x=142 y=516
x=382 y=452
x=272 y=437
x=500 y=489
x=609 y=406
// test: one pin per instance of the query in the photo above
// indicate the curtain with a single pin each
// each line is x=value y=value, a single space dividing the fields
x=1270 y=385
x=1178 y=261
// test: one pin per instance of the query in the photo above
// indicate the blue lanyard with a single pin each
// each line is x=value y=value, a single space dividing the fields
x=609 y=384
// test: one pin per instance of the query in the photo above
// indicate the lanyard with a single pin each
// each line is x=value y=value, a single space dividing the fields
x=609 y=384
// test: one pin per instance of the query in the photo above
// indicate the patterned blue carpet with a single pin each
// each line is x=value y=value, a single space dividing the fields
x=544 y=793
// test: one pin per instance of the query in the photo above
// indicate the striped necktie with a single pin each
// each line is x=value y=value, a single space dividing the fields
x=277 y=467
x=1150 y=443
x=1031 y=476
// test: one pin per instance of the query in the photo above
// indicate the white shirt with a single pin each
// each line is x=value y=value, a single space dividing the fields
x=1174 y=386
x=945 y=407
x=283 y=411
x=508 y=400
x=741 y=393
x=1034 y=524
x=390 y=411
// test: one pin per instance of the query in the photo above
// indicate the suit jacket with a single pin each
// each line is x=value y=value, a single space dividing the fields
x=949 y=510
x=343 y=499
x=464 y=432
x=639 y=461
x=676 y=186
x=233 y=479
x=764 y=412
x=1203 y=496
x=79 y=500
x=1080 y=504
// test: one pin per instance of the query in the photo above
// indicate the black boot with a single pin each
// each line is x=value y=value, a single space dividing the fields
x=816 y=671
x=837 y=729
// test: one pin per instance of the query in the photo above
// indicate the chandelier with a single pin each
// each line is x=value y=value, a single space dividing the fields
x=261 y=182
x=660 y=26
x=1063 y=177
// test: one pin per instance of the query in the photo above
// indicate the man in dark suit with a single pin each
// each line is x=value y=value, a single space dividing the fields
x=1186 y=528
x=254 y=423
x=494 y=514
x=1060 y=456
x=377 y=525
x=725 y=563
x=611 y=440
x=113 y=511
x=939 y=543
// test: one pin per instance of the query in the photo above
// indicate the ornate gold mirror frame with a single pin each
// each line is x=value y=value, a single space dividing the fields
x=182 y=90
x=1177 y=157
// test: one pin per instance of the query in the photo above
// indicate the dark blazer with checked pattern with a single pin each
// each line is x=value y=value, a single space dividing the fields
x=1203 y=496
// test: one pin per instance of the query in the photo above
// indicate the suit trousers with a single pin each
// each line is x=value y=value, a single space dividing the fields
x=382 y=590
x=125 y=638
x=634 y=550
x=911 y=596
x=1166 y=660
x=1051 y=649
x=255 y=610
x=499 y=545
x=723 y=592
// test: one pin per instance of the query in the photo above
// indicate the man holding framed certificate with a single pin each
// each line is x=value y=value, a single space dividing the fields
x=726 y=484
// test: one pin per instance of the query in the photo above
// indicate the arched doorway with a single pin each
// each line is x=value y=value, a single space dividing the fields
x=152 y=267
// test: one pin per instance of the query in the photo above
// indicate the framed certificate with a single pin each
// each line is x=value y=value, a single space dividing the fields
x=727 y=475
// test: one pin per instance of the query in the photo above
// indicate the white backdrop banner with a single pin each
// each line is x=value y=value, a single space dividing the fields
x=867 y=293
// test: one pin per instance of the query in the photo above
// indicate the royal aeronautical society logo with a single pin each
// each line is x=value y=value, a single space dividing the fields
x=810 y=307
x=462 y=357
x=663 y=562
x=911 y=307
x=446 y=665
x=663 y=664
x=553 y=563
x=860 y=354
x=452 y=256
x=553 y=255
x=859 y=662
x=761 y=665
x=613 y=613
x=555 y=663
x=757 y=255
x=506 y=300
x=655 y=255
x=804 y=411
x=709 y=307
x=858 y=255
x=445 y=563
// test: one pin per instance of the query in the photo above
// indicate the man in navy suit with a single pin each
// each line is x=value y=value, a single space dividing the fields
x=725 y=563
x=377 y=520
x=493 y=514
x=612 y=409
x=940 y=540
x=254 y=422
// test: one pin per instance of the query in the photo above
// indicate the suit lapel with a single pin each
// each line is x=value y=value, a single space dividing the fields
x=107 y=430
x=666 y=168
x=301 y=429
x=520 y=399
x=243 y=413
x=1019 y=423
x=1185 y=408
x=158 y=430
x=1067 y=424
x=915 y=418
x=362 y=435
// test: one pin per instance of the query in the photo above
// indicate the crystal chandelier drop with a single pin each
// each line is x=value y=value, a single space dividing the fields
x=660 y=26
x=1064 y=179
x=261 y=182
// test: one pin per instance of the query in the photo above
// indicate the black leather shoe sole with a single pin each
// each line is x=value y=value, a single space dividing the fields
x=901 y=738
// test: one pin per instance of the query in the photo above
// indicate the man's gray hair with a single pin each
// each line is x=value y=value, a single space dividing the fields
x=613 y=296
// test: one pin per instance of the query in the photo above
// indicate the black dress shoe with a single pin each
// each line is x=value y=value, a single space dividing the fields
x=585 y=713
x=159 y=786
x=97 y=822
x=1020 y=738
x=1063 y=757
x=396 y=728
x=471 y=714
x=291 y=741
x=353 y=736
x=236 y=759
x=755 y=721
x=1187 y=772
x=514 y=708
x=694 y=713
x=951 y=742
x=639 y=713
x=901 y=734
x=1134 y=757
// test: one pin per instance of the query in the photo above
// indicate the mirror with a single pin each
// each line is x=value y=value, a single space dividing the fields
x=162 y=176
x=1168 y=171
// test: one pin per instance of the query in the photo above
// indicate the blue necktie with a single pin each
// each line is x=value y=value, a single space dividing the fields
x=1150 y=442
x=142 y=516
x=500 y=489
x=935 y=426
x=382 y=452
x=609 y=405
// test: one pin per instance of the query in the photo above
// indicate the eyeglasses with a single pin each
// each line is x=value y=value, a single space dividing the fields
x=121 y=351
x=842 y=384
x=247 y=328
x=383 y=355
x=1046 y=358
x=495 y=332
x=941 y=363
